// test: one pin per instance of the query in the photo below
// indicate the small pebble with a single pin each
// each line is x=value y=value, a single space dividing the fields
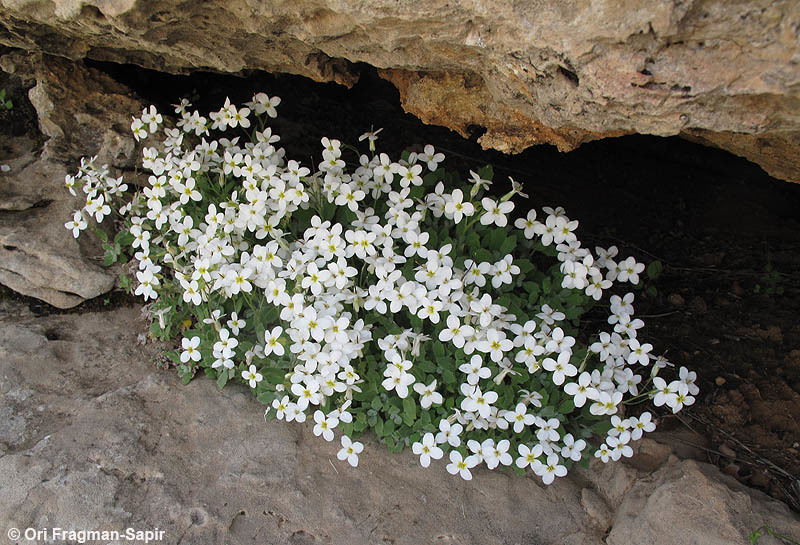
x=675 y=299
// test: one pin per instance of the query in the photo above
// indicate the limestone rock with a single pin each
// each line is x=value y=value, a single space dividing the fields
x=688 y=502
x=561 y=72
x=39 y=257
x=82 y=113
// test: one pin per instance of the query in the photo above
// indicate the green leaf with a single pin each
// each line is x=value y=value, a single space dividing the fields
x=533 y=291
x=409 y=411
x=508 y=245
x=416 y=192
x=495 y=239
x=487 y=172
x=360 y=423
x=376 y=403
x=438 y=349
x=473 y=241
x=110 y=258
x=174 y=356
x=654 y=269
x=185 y=373
x=430 y=179
x=123 y=238
x=525 y=266
x=566 y=407
x=266 y=397
x=602 y=427
x=222 y=379
x=347 y=428
x=269 y=315
x=273 y=375
x=482 y=255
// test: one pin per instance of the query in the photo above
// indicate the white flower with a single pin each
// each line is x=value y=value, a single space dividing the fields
x=640 y=425
x=456 y=208
x=372 y=136
x=236 y=323
x=547 y=429
x=138 y=130
x=77 y=224
x=550 y=316
x=455 y=332
x=640 y=353
x=561 y=368
x=307 y=393
x=272 y=343
x=262 y=103
x=688 y=378
x=581 y=390
x=350 y=451
x=528 y=457
x=527 y=224
x=190 y=351
x=665 y=393
x=324 y=425
x=397 y=380
x=151 y=118
x=519 y=417
x=430 y=157
x=606 y=403
x=252 y=376
x=629 y=271
x=495 y=454
x=681 y=397
x=410 y=175
x=604 y=453
x=495 y=344
x=459 y=465
x=426 y=449
x=477 y=401
x=495 y=212
x=428 y=394
x=280 y=406
x=619 y=447
x=552 y=469
x=449 y=433
x=572 y=448
x=475 y=370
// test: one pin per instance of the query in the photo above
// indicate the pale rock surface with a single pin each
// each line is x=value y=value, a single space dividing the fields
x=686 y=502
x=93 y=435
x=39 y=257
x=528 y=72
x=82 y=113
